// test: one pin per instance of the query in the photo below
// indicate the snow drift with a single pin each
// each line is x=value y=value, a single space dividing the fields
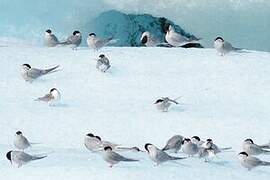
x=223 y=98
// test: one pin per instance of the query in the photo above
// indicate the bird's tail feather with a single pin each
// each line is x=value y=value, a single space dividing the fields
x=165 y=148
x=176 y=158
x=266 y=151
x=265 y=163
x=38 y=157
x=266 y=146
x=63 y=43
x=130 y=160
x=237 y=49
x=51 y=70
x=111 y=41
x=34 y=143
x=225 y=149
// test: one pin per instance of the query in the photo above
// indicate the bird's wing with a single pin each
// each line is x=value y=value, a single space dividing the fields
x=172 y=142
x=162 y=156
x=100 y=43
x=45 y=98
x=25 y=141
x=117 y=157
x=21 y=156
x=254 y=161
x=255 y=148
x=216 y=148
x=107 y=143
x=178 y=37
x=174 y=101
x=202 y=152
x=70 y=39
x=34 y=73
x=54 y=38
x=227 y=46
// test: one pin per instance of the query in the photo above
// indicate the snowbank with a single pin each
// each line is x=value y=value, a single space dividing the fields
x=224 y=98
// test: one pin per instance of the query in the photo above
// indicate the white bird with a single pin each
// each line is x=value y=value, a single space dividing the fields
x=223 y=47
x=52 y=97
x=92 y=143
x=148 y=40
x=95 y=144
x=214 y=146
x=206 y=152
x=197 y=140
x=73 y=40
x=158 y=156
x=175 y=39
x=253 y=149
x=97 y=43
x=251 y=162
x=113 y=158
x=20 y=158
x=189 y=148
x=50 y=40
x=103 y=63
x=21 y=142
x=174 y=143
x=164 y=103
x=107 y=143
x=29 y=74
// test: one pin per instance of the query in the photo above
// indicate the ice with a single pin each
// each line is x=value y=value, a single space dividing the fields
x=223 y=98
x=244 y=23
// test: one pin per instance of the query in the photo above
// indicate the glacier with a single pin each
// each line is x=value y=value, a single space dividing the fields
x=244 y=23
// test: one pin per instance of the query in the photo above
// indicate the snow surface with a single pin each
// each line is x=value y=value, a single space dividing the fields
x=223 y=98
x=242 y=22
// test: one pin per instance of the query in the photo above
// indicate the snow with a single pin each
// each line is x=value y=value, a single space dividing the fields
x=205 y=19
x=223 y=98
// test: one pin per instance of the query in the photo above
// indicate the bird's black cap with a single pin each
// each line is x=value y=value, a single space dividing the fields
x=49 y=31
x=92 y=34
x=107 y=148
x=243 y=153
x=101 y=56
x=144 y=40
x=186 y=139
x=249 y=140
x=75 y=32
x=158 y=101
x=146 y=146
x=18 y=132
x=197 y=138
x=98 y=138
x=90 y=135
x=27 y=65
x=219 y=38
x=53 y=89
x=8 y=155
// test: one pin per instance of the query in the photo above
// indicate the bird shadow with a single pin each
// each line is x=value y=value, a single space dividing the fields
x=219 y=163
x=178 y=163
x=263 y=172
x=60 y=105
x=179 y=108
x=114 y=71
